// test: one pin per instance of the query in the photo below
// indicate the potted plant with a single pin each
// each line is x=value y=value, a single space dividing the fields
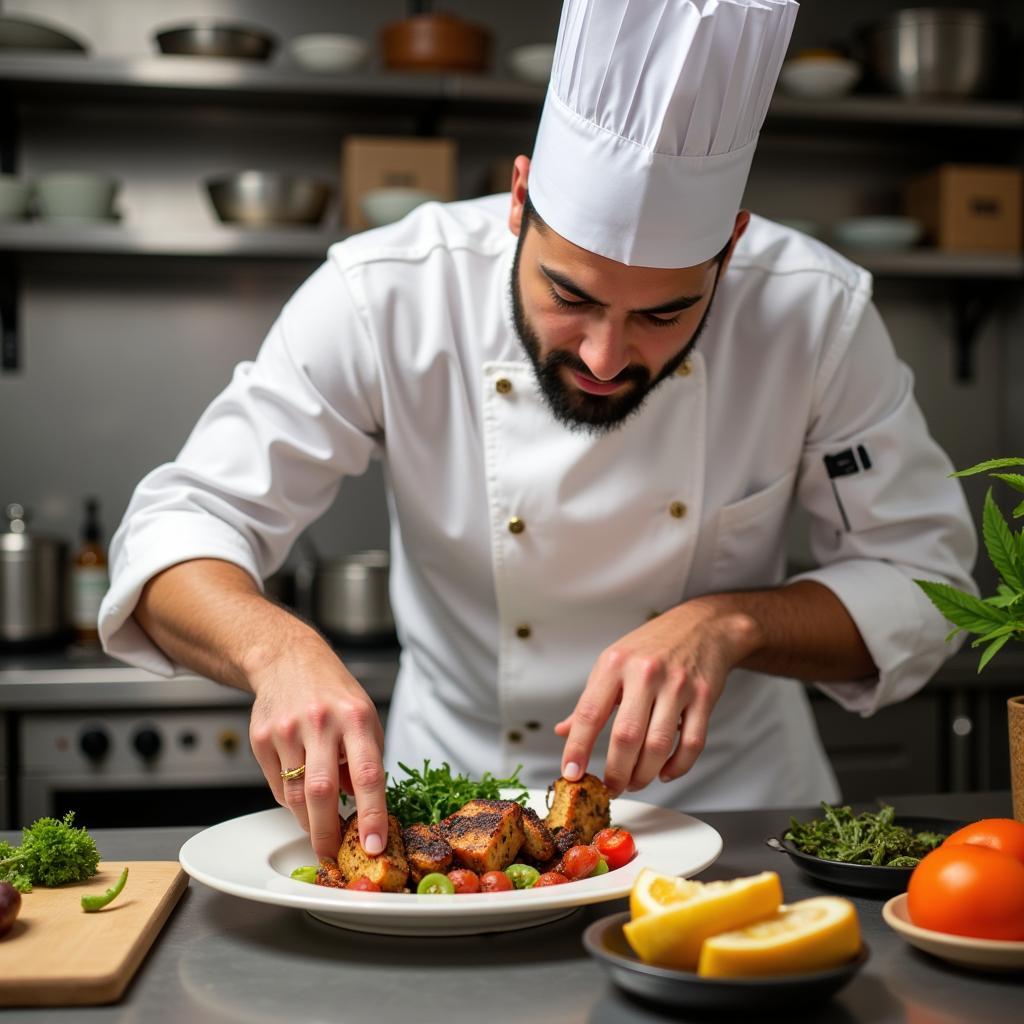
x=998 y=619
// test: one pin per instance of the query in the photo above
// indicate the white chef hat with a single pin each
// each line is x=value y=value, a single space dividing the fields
x=650 y=123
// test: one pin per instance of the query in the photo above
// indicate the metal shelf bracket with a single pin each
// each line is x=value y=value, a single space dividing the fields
x=973 y=302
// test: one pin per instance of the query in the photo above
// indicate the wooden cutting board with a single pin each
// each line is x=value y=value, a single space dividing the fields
x=58 y=955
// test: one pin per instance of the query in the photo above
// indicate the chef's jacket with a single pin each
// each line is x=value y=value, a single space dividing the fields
x=520 y=548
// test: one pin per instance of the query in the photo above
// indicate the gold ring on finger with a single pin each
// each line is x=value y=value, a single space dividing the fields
x=290 y=774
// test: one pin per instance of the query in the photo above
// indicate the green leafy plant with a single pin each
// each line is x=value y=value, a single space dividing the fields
x=996 y=620
x=429 y=795
x=52 y=852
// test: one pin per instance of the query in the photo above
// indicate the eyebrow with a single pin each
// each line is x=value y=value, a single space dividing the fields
x=672 y=306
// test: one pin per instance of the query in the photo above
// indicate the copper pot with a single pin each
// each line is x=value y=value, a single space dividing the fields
x=435 y=42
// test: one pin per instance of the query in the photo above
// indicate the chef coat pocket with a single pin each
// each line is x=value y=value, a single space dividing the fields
x=750 y=538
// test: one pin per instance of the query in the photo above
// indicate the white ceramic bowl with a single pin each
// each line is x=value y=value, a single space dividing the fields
x=878 y=232
x=328 y=52
x=385 y=205
x=75 y=194
x=14 y=197
x=532 y=63
x=819 y=77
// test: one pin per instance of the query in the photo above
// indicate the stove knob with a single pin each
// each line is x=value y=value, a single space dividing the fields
x=147 y=742
x=94 y=743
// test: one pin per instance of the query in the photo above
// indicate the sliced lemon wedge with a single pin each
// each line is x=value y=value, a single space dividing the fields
x=810 y=935
x=679 y=917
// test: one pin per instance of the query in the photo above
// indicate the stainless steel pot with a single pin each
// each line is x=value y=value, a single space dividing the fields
x=263 y=198
x=350 y=597
x=932 y=52
x=32 y=588
x=216 y=39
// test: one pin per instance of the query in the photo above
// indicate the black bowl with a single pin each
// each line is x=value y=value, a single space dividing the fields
x=685 y=990
x=862 y=877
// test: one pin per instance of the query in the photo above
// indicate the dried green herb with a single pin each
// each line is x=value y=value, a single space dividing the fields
x=871 y=837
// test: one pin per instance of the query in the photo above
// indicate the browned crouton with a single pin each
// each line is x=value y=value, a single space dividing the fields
x=485 y=835
x=539 y=845
x=564 y=839
x=389 y=869
x=580 y=805
x=329 y=874
x=426 y=850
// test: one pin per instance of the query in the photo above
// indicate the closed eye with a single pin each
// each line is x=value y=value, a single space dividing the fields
x=565 y=303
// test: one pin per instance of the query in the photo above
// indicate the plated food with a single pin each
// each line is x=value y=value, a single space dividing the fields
x=487 y=844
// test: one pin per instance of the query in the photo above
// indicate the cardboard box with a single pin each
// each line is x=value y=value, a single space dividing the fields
x=374 y=161
x=965 y=206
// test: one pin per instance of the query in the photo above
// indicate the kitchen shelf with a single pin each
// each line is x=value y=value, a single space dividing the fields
x=215 y=241
x=936 y=263
x=183 y=79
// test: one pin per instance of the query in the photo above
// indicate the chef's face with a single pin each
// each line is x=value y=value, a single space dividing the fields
x=602 y=335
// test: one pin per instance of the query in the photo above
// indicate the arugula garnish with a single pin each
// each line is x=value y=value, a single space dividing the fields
x=429 y=795
x=866 y=838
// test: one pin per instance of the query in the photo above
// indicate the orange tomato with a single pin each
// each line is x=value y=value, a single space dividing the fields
x=1003 y=834
x=971 y=890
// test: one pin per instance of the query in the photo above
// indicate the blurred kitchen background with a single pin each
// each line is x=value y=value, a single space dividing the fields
x=127 y=296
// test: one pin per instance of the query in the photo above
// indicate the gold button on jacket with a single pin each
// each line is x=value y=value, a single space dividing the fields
x=516 y=525
x=677 y=510
x=503 y=385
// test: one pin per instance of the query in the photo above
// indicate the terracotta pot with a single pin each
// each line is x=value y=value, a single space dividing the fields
x=435 y=42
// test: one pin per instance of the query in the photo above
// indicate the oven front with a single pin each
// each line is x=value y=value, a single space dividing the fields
x=130 y=770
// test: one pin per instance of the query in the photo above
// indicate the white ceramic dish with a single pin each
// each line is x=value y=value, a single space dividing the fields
x=253 y=856
x=878 y=232
x=386 y=205
x=327 y=53
x=532 y=63
x=986 y=954
x=78 y=194
x=819 y=78
x=14 y=197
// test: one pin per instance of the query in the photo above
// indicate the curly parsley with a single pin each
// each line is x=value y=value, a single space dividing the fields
x=52 y=852
x=429 y=795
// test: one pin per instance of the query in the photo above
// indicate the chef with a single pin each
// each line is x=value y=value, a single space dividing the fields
x=596 y=402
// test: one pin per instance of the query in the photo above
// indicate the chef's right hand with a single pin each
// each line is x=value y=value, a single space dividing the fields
x=309 y=710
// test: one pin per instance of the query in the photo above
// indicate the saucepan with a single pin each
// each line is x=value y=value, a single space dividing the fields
x=350 y=597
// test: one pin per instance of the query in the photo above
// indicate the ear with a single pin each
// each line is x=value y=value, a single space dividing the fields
x=520 y=174
x=742 y=220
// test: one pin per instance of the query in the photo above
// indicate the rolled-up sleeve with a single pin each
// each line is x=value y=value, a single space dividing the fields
x=265 y=459
x=897 y=517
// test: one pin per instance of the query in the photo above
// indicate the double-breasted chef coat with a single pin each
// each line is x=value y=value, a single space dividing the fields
x=520 y=548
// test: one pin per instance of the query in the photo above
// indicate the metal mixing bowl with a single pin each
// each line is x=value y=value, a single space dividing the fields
x=932 y=52
x=262 y=198
x=216 y=39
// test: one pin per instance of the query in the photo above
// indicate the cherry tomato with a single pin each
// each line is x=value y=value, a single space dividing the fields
x=495 y=881
x=363 y=884
x=435 y=884
x=616 y=845
x=580 y=862
x=968 y=890
x=550 y=878
x=464 y=880
x=1002 y=834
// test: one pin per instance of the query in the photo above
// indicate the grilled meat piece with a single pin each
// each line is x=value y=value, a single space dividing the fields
x=563 y=839
x=580 y=805
x=388 y=869
x=539 y=844
x=485 y=835
x=426 y=850
x=329 y=874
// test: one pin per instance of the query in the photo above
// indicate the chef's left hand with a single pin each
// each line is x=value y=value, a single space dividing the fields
x=665 y=678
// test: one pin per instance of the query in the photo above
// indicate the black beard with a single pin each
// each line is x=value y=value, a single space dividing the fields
x=572 y=407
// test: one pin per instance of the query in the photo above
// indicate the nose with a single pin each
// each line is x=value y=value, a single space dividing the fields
x=604 y=350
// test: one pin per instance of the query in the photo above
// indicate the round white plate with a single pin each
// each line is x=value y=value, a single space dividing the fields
x=253 y=856
x=984 y=954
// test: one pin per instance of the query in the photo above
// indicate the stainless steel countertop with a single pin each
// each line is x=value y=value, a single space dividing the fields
x=82 y=678
x=223 y=959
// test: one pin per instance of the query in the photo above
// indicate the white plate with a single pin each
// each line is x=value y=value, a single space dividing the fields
x=984 y=954
x=254 y=855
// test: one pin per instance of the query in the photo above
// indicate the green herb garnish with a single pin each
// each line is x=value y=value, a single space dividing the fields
x=52 y=852
x=429 y=795
x=866 y=838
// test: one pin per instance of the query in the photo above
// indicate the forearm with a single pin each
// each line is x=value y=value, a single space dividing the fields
x=801 y=630
x=210 y=616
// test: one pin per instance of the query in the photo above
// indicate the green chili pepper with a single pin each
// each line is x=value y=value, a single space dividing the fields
x=91 y=903
x=306 y=873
